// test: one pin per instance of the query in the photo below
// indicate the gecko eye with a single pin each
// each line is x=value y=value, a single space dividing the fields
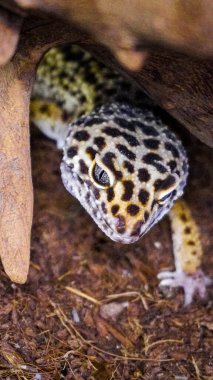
x=100 y=175
x=165 y=197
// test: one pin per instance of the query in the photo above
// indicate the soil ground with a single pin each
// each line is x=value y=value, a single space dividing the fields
x=91 y=308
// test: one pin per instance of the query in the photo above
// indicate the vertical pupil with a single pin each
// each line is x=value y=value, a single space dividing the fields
x=101 y=174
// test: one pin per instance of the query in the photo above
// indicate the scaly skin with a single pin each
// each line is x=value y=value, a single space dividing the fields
x=121 y=161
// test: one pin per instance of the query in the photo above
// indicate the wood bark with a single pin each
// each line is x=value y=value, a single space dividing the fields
x=10 y=26
x=15 y=185
x=123 y=25
x=180 y=84
x=16 y=195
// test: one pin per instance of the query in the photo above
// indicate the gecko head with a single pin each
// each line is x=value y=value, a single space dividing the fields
x=126 y=178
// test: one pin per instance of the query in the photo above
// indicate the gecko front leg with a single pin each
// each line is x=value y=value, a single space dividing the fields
x=188 y=254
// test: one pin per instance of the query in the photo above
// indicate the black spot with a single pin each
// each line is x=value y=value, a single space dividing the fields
x=90 y=77
x=66 y=86
x=132 y=141
x=91 y=152
x=115 y=209
x=70 y=166
x=133 y=209
x=148 y=130
x=137 y=228
x=83 y=167
x=128 y=190
x=126 y=152
x=94 y=212
x=183 y=217
x=161 y=168
x=60 y=103
x=96 y=193
x=128 y=166
x=72 y=151
x=120 y=224
x=164 y=184
x=80 y=121
x=114 y=132
x=87 y=197
x=88 y=183
x=110 y=194
x=185 y=167
x=143 y=175
x=65 y=116
x=151 y=143
x=125 y=108
x=187 y=230
x=123 y=123
x=143 y=196
x=81 y=135
x=146 y=216
x=100 y=142
x=118 y=174
x=103 y=206
x=172 y=164
x=82 y=98
x=108 y=160
x=169 y=146
x=150 y=158
x=94 y=120
x=169 y=134
x=80 y=180
x=44 y=108
x=190 y=242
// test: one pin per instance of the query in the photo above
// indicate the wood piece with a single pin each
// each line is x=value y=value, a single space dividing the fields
x=16 y=197
x=183 y=87
x=123 y=25
x=183 y=95
x=15 y=185
x=179 y=84
x=10 y=25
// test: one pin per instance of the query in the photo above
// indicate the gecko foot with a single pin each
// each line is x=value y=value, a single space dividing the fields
x=191 y=283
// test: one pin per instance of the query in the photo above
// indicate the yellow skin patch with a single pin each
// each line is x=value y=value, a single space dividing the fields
x=188 y=254
x=39 y=109
x=186 y=238
x=120 y=161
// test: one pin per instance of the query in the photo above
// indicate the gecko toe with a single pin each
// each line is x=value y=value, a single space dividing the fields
x=192 y=284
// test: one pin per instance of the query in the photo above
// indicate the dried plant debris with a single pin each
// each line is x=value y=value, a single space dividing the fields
x=91 y=308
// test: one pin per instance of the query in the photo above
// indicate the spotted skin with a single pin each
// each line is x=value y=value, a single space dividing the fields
x=120 y=160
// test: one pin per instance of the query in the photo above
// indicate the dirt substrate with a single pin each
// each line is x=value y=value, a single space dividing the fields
x=91 y=308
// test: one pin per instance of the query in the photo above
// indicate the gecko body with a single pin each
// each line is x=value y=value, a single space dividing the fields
x=120 y=159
